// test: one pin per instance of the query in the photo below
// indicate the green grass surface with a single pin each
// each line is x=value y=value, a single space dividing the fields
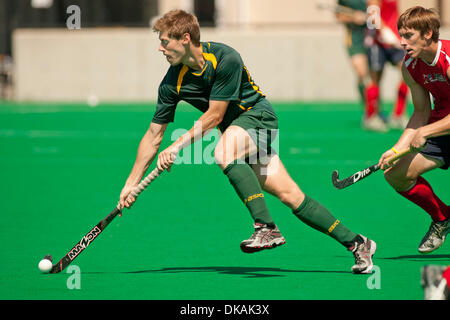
x=63 y=166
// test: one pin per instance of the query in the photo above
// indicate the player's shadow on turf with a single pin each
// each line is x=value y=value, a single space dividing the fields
x=421 y=257
x=249 y=272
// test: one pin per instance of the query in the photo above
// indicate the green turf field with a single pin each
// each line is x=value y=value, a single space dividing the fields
x=63 y=166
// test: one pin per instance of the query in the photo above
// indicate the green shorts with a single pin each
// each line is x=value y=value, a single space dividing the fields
x=261 y=123
x=355 y=42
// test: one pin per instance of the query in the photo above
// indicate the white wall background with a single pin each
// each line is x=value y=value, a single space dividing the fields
x=125 y=65
x=293 y=50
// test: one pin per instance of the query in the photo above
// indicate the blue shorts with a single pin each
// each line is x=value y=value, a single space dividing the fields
x=438 y=148
x=379 y=55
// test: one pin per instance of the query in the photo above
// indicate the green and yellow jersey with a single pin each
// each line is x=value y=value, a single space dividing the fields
x=224 y=77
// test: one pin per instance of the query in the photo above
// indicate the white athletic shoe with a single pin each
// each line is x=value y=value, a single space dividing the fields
x=363 y=253
x=435 y=236
x=374 y=123
x=399 y=122
x=263 y=238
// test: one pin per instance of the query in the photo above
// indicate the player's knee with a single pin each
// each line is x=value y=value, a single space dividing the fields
x=391 y=177
x=400 y=181
x=290 y=197
x=219 y=157
x=223 y=158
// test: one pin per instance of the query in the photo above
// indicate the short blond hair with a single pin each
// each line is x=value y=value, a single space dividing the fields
x=177 y=23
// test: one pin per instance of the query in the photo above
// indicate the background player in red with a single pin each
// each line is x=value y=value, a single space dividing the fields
x=426 y=69
x=383 y=42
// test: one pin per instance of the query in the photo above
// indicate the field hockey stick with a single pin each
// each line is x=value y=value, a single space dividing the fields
x=93 y=234
x=358 y=176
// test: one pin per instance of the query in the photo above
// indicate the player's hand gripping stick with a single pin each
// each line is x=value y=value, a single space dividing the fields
x=94 y=232
x=358 y=176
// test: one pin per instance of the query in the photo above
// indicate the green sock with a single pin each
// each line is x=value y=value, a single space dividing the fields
x=247 y=186
x=318 y=217
x=362 y=93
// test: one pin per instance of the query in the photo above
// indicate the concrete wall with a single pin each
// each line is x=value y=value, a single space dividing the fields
x=113 y=64
x=294 y=51
x=124 y=64
x=263 y=13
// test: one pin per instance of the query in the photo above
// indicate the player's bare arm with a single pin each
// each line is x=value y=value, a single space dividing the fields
x=419 y=118
x=209 y=120
x=352 y=17
x=148 y=148
x=435 y=129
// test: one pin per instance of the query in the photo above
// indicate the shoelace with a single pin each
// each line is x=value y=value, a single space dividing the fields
x=436 y=229
x=263 y=233
x=255 y=234
x=358 y=253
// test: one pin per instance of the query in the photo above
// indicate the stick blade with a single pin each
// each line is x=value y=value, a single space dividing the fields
x=344 y=183
x=57 y=267
x=335 y=176
x=335 y=180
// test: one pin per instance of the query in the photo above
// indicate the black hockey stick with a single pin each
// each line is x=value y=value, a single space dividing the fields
x=91 y=235
x=358 y=176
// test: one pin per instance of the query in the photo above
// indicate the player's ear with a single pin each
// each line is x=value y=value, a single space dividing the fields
x=428 y=35
x=186 y=39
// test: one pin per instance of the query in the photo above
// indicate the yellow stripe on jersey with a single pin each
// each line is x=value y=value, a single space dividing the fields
x=243 y=108
x=201 y=72
x=183 y=71
x=348 y=39
x=208 y=57
x=255 y=87
x=211 y=57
